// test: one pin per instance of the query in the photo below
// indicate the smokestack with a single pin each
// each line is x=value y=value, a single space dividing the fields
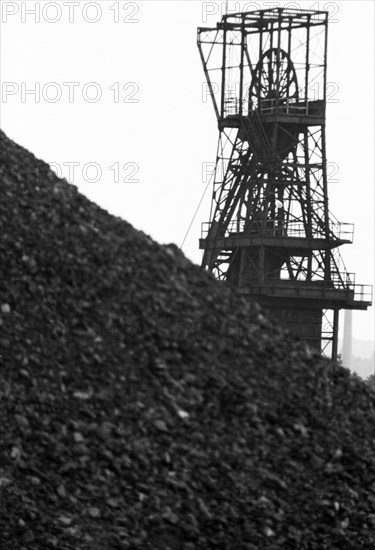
x=347 y=343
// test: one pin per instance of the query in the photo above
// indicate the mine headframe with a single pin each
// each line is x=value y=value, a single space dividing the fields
x=271 y=233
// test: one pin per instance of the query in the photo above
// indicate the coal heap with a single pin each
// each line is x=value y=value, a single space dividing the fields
x=146 y=406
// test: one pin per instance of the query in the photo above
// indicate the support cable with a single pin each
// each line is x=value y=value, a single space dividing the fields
x=197 y=209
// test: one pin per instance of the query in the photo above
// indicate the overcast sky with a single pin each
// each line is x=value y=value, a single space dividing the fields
x=120 y=97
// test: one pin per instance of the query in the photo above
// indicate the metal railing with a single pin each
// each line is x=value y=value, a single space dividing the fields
x=343 y=279
x=280 y=228
x=288 y=106
x=363 y=293
x=232 y=105
x=339 y=281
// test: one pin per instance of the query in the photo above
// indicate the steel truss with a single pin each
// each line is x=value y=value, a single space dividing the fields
x=270 y=232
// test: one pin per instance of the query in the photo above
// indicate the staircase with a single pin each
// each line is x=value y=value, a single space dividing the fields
x=255 y=134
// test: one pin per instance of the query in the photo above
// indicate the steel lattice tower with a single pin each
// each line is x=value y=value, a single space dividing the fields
x=271 y=233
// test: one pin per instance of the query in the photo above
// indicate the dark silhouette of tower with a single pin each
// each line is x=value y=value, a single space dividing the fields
x=271 y=233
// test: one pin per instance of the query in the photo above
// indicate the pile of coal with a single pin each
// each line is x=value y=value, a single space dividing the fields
x=146 y=406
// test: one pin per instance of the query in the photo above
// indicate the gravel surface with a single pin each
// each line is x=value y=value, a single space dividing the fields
x=145 y=406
